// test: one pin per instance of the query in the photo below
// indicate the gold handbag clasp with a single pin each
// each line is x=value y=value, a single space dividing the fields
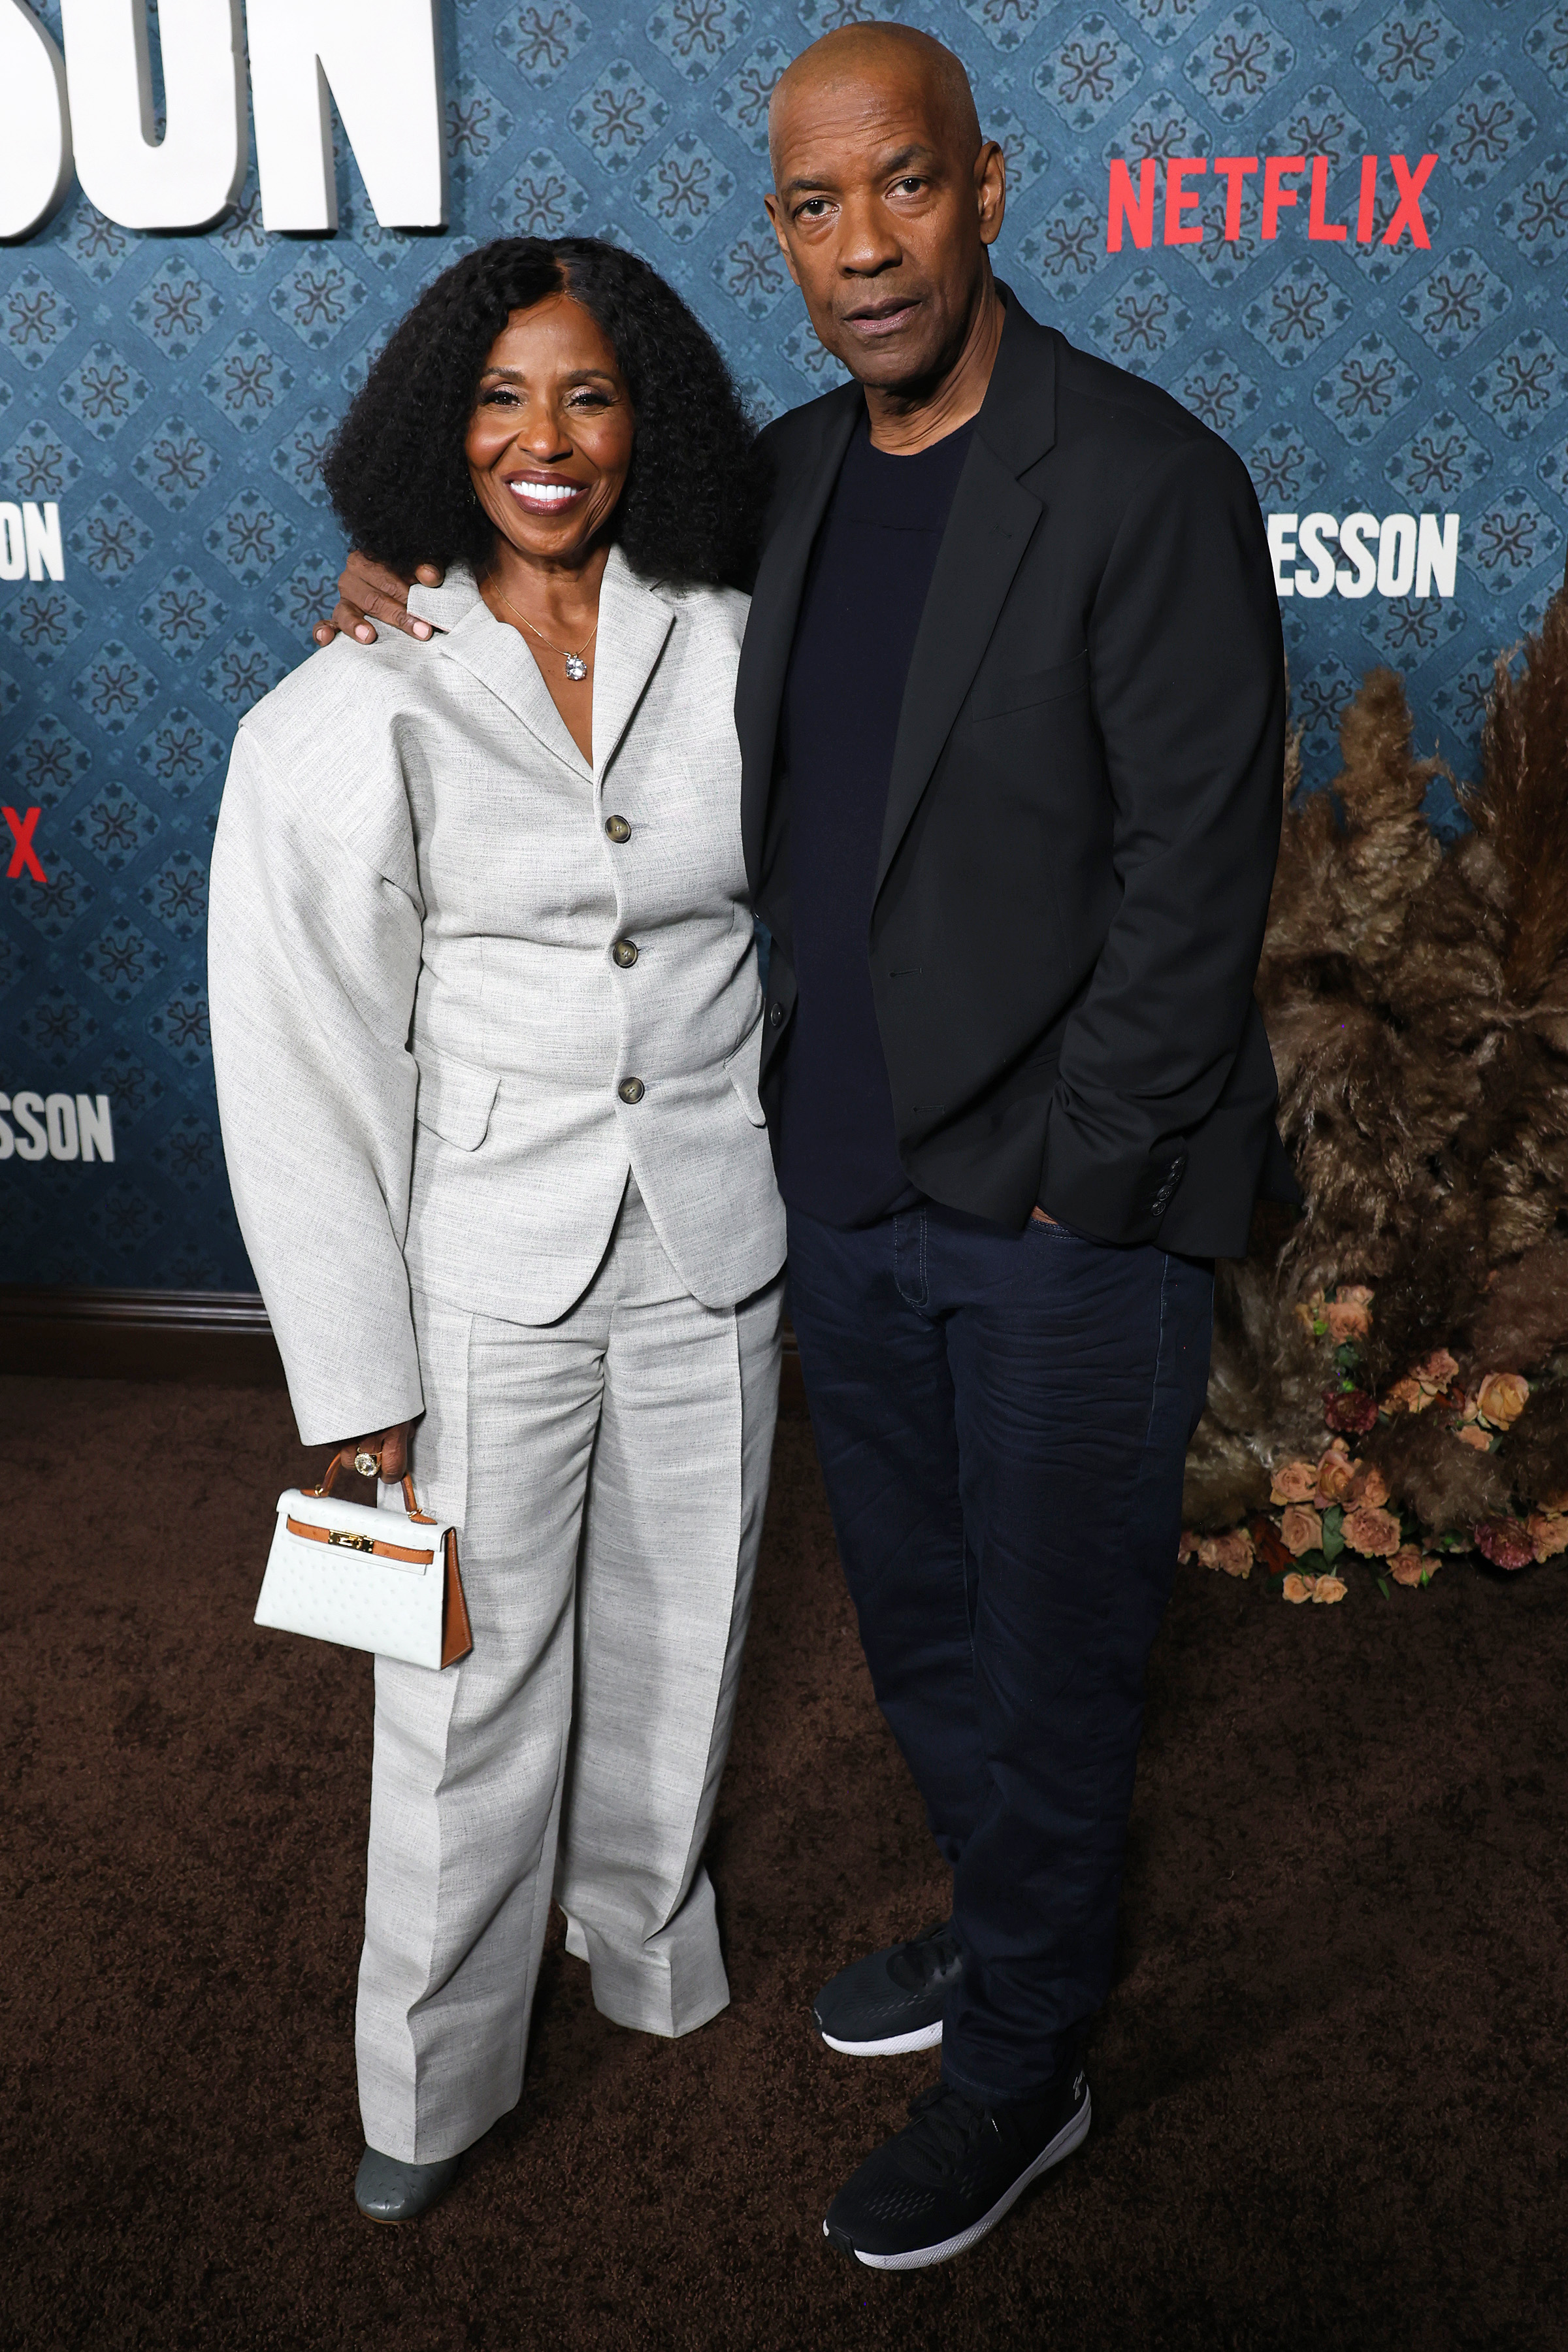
x=350 y=1543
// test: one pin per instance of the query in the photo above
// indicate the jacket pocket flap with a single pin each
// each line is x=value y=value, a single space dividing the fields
x=455 y=1101
x=993 y=696
x=743 y=1067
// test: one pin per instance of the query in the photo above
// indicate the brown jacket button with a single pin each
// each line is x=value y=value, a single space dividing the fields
x=618 y=828
x=625 y=953
x=631 y=1090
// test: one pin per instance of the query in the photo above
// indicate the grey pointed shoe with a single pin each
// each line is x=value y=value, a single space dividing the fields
x=385 y=2190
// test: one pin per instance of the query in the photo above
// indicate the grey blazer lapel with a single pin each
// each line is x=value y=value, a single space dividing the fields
x=496 y=655
x=633 y=623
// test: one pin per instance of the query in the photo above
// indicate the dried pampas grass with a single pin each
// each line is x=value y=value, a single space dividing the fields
x=1417 y=999
x=1522 y=809
x=1534 y=1456
x=1447 y=1486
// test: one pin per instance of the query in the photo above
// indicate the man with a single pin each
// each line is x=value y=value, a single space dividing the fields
x=1012 y=708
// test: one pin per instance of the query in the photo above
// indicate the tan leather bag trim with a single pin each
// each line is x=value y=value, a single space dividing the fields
x=381 y=1550
x=412 y=1503
x=335 y=1470
x=456 y=1640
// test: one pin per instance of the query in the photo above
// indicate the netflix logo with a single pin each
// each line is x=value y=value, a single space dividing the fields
x=1168 y=196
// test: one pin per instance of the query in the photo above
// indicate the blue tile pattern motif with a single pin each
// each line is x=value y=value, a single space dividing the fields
x=171 y=397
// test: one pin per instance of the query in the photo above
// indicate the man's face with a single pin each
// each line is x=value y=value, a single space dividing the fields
x=883 y=219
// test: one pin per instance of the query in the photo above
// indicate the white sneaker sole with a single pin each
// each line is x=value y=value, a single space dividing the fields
x=921 y=2257
x=924 y=2038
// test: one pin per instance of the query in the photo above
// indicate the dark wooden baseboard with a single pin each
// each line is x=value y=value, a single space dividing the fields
x=217 y=1336
x=221 y=1337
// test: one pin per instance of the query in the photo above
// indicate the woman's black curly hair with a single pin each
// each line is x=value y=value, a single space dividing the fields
x=396 y=472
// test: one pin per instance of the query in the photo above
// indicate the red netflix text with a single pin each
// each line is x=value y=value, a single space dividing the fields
x=1273 y=184
x=24 y=856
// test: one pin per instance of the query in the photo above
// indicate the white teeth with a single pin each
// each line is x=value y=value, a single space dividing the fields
x=550 y=494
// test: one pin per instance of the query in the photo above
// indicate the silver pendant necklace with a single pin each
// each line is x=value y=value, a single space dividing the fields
x=576 y=668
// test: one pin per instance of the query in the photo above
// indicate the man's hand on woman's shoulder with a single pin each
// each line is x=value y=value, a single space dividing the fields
x=368 y=592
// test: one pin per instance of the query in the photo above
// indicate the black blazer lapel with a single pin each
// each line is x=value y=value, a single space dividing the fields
x=807 y=486
x=993 y=519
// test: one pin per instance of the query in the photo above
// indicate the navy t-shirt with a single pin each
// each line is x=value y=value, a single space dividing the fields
x=865 y=593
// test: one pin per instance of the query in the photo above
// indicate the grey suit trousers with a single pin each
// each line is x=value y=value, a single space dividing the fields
x=609 y=1474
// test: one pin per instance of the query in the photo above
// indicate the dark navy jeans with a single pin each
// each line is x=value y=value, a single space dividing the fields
x=1002 y=1420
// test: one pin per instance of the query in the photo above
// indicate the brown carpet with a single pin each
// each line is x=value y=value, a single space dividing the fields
x=1327 y=2088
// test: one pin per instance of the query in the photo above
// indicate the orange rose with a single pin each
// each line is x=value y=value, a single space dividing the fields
x=1505 y=1542
x=1374 y=1534
x=1335 y=1472
x=1549 y=1533
x=1474 y=1436
x=1406 y=1566
x=1297 y=1589
x=1233 y=1553
x=1328 y=1587
x=1406 y=1396
x=1301 y=1530
x=1294 y=1482
x=1502 y=1398
x=1346 y=1321
x=1435 y=1372
x=1188 y=1544
x=1354 y=1293
x=1369 y=1485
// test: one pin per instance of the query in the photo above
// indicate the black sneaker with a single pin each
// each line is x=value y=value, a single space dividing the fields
x=891 y=2001
x=952 y=2173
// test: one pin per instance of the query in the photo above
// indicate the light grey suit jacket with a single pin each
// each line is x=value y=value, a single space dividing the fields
x=422 y=1038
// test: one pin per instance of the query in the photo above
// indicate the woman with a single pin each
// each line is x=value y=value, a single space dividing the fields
x=487 y=1020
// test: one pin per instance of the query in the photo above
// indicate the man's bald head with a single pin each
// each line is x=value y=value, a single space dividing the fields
x=879 y=53
x=885 y=200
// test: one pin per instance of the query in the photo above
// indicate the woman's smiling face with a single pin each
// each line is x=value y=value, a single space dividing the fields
x=550 y=440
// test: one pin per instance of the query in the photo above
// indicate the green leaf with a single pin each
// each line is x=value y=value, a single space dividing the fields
x=1311 y=1563
x=1333 y=1541
x=1347 y=1356
x=1384 y=1588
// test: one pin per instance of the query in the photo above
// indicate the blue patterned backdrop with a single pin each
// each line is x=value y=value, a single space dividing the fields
x=173 y=393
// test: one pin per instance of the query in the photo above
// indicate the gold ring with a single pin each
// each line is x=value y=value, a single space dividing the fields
x=367 y=1465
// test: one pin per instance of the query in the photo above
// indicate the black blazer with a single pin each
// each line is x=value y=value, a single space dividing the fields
x=1083 y=812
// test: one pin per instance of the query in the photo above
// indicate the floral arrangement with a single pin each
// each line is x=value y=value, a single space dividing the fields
x=1327 y=1513
x=1416 y=990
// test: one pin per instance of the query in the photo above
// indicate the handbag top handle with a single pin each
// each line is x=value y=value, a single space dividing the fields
x=409 y=1498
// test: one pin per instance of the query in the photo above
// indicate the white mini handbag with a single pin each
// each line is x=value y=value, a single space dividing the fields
x=373 y=1580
